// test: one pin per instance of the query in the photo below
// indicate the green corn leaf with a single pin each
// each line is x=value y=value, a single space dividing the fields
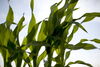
x=58 y=65
x=28 y=59
x=46 y=63
x=79 y=25
x=50 y=24
x=76 y=9
x=41 y=57
x=89 y=46
x=90 y=16
x=41 y=35
x=96 y=40
x=68 y=16
x=70 y=10
x=79 y=62
x=4 y=35
x=32 y=5
x=38 y=43
x=57 y=59
x=70 y=37
x=75 y=29
x=32 y=33
x=83 y=40
x=59 y=14
x=10 y=17
x=32 y=23
x=19 y=26
x=85 y=46
x=53 y=18
x=67 y=55
x=58 y=50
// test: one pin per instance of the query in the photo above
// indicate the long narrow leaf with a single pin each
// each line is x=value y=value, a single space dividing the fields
x=10 y=17
x=96 y=40
x=79 y=25
x=32 y=5
x=79 y=62
x=41 y=57
x=19 y=26
x=42 y=35
x=32 y=23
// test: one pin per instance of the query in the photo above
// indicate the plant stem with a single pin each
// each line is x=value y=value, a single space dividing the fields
x=34 y=61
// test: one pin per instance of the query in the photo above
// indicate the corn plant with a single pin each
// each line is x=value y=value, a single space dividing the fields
x=54 y=35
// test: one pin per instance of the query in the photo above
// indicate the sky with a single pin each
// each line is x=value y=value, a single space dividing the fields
x=42 y=11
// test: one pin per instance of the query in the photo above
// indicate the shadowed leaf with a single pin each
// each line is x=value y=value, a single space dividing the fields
x=90 y=16
x=79 y=62
x=83 y=40
x=67 y=55
x=79 y=25
x=32 y=5
x=96 y=40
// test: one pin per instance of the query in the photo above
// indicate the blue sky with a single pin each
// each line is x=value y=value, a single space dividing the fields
x=42 y=11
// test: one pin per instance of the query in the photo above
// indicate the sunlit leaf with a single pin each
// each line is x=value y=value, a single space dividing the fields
x=4 y=34
x=19 y=26
x=10 y=17
x=70 y=9
x=41 y=35
x=32 y=23
x=32 y=33
x=41 y=57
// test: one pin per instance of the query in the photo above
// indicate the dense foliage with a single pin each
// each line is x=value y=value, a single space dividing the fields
x=53 y=35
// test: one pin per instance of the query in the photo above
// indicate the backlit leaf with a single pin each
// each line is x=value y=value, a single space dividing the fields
x=4 y=34
x=19 y=26
x=41 y=57
x=32 y=23
x=41 y=35
x=32 y=33
x=10 y=17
